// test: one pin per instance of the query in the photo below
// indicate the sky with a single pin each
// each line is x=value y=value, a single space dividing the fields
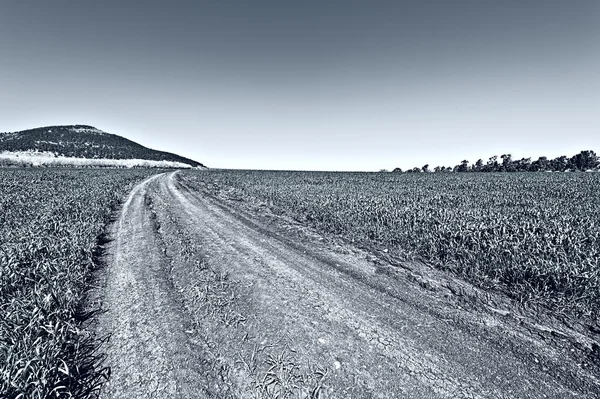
x=312 y=84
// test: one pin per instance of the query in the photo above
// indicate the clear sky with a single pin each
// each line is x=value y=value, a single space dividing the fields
x=312 y=84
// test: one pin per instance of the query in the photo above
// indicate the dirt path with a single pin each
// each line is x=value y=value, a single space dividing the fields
x=209 y=299
x=149 y=352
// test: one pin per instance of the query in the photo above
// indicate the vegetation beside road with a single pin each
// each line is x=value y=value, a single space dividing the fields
x=50 y=223
x=534 y=236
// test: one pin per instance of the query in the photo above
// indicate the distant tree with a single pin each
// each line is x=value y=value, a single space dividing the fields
x=492 y=164
x=560 y=163
x=585 y=160
x=463 y=167
x=522 y=165
x=593 y=161
x=478 y=167
x=383 y=171
x=540 y=165
x=397 y=170
x=506 y=162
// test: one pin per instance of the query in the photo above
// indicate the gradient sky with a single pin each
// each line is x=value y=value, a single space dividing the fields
x=312 y=84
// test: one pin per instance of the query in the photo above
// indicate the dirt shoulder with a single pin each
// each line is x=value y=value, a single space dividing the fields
x=207 y=297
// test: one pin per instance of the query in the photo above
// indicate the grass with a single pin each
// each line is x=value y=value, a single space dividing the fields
x=534 y=236
x=50 y=221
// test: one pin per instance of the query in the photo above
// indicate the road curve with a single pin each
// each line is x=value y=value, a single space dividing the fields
x=207 y=299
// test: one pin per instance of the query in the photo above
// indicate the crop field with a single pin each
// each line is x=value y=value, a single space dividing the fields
x=50 y=221
x=534 y=236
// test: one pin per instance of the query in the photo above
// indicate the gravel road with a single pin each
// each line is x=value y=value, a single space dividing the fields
x=206 y=296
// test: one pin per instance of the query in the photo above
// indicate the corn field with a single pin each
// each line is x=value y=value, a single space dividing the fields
x=49 y=224
x=534 y=236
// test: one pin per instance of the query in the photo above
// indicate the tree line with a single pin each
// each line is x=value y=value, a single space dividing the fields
x=584 y=161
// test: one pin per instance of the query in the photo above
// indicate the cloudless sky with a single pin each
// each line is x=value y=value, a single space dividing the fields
x=312 y=84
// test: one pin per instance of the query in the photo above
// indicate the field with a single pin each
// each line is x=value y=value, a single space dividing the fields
x=534 y=236
x=50 y=221
x=215 y=293
x=236 y=284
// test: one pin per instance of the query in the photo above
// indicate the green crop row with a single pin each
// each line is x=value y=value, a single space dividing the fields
x=535 y=236
x=49 y=224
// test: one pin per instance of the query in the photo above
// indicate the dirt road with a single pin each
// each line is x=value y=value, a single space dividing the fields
x=208 y=297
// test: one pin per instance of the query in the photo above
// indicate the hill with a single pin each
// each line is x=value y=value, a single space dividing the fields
x=77 y=143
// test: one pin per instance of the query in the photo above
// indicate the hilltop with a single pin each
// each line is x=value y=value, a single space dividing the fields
x=81 y=145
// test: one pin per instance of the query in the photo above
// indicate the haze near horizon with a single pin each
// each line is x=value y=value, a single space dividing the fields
x=313 y=85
